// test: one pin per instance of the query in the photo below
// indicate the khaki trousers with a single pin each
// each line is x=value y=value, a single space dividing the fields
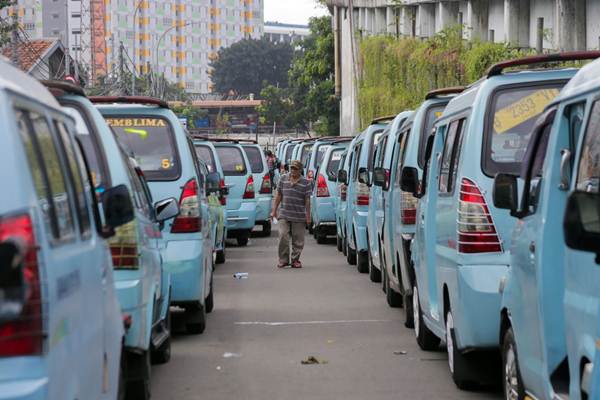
x=295 y=231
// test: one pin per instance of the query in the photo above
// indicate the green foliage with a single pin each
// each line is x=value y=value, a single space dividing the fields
x=396 y=74
x=276 y=106
x=248 y=65
x=7 y=25
x=190 y=113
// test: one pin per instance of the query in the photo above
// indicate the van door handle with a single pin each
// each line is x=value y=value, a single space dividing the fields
x=532 y=247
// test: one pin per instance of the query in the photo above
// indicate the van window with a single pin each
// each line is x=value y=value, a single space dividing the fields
x=432 y=114
x=374 y=141
x=56 y=175
x=402 y=139
x=151 y=142
x=514 y=112
x=355 y=161
x=288 y=153
x=320 y=154
x=75 y=174
x=450 y=156
x=381 y=150
x=255 y=158
x=205 y=154
x=588 y=176
x=334 y=161
x=232 y=161
x=305 y=153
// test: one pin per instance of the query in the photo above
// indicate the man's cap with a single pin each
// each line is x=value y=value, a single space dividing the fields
x=296 y=164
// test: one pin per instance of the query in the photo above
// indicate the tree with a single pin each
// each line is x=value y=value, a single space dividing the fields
x=249 y=65
x=7 y=25
x=312 y=82
x=190 y=113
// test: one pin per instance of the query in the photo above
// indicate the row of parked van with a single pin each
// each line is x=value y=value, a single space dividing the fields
x=111 y=217
x=480 y=214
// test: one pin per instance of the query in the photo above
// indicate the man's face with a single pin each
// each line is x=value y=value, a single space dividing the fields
x=294 y=172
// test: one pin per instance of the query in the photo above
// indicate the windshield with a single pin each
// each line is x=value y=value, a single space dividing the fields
x=149 y=140
x=232 y=161
x=255 y=158
x=514 y=112
x=205 y=154
x=433 y=113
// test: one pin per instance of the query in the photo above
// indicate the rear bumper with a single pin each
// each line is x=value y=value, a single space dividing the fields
x=184 y=260
x=360 y=229
x=263 y=207
x=26 y=389
x=243 y=218
x=325 y=210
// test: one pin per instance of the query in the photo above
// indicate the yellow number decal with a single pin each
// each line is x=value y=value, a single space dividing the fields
x=166 y=164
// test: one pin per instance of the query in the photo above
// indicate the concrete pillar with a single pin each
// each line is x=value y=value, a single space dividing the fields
x=390 y=21
x=570 y=25
x=477 y=19
x=426 y=20
x=516 y=22
x=447 y=14
x=407 y=15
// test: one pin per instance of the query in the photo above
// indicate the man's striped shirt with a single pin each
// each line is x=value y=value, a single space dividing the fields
x=293 y=198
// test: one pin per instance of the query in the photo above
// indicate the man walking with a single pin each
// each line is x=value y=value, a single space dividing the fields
x=293 y=194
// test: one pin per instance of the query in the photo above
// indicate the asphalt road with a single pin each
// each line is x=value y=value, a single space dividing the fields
x=264 y=326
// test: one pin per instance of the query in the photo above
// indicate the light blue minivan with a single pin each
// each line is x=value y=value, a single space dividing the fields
x=342 y=216
x=61 y=326
x=151 y=133
x=459 y=252
x=340 y=204
x=379 y=196
x=262 y=185
x=323 y=197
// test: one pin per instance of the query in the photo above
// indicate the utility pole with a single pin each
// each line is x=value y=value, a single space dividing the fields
x=121 y=66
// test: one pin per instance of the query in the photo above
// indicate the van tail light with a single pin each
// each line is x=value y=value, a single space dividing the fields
x=249 y=191
x=476 y=229
x=310 y=175
x=343 y=192
x=265 y=187
x=189 y=219
x=222 y=198
x=23 y=335
x=387 y=178
x=408 y=208
x=123 y=248
x=362 y=194
x=322 y=190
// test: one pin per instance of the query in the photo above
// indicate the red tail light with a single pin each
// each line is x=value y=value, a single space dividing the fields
x=362 y=194
x=322 y=190
x=189 y=219
x=222 y=198
x=343 y=192
x=124 y=252
x=265 y=187
x=408 y=208
x=387 y=178
x=249 y=191
x=476 y=230
x=310 y=175
x=23 y=336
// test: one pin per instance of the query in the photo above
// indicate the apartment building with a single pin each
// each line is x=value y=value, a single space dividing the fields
x=278 y=32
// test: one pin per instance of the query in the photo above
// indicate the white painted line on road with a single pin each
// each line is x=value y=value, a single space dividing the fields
x=345 y=321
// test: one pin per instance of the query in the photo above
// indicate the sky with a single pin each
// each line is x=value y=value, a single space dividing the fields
x=292 y=11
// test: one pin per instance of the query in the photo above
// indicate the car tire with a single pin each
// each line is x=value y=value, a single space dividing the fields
x=209 y=302
x=409 y=318
x=425 y=338
x=139 y=366
x=220 y=259
x=457 y=362
x=122 y=384
x=345 y=247
x=243 y=238
x=197 y=320
x=362 y=262
x=374 y=273
x=512 y=383
x=321 y=237
x=311 y=229
x=393 y=298
x=162 y=354
x=350 y=254
x=267 y=228
x=339 y=243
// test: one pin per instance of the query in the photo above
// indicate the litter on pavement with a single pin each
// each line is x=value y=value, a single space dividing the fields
x=313 y=360
x=241 y=275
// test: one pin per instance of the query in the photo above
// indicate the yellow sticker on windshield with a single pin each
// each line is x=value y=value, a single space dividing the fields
x=165 y=163
x=142 y=132
x=523 y=110
x=438 y=114
x=239 y=167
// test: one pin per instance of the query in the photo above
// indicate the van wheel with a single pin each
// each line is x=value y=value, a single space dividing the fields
x=374 y=273
x=311 y=229
x=511 y=376
x=362 y=262
x=425 y=338
x=393 y=298
x=345 y=246
x=457 y=362
x=350 y=255
x=138 y=366
x=266 y=232
x=196 y=316
x=220 y=259
x=407 y=299
x=338 y=243
x=242 y=239
x=209 y=302
x=321 y=237
x=162 y=354
x=122 y=384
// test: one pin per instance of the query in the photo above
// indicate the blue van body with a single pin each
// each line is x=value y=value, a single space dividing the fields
x=262 y=185
x=379 y=196
x=359 y=177
x=459 y=251
x=323 y=196
x=151 y=133
x=241 y=200
x=342 y=215
x=59 y=308
x=340 y=204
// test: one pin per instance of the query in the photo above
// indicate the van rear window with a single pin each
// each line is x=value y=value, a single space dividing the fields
x=305 y=153
x=255 y=158
x=232 y=161
x=334 y=162
x=513 y=113
x=288 y=153
x=433 y=113
x=150 y=141
x=205 y=154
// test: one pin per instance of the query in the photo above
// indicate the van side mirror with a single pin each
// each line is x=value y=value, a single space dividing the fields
x=363 y=176
x=581 y=223
x=166 y=209
x=117 y=205
x=379 y=177
x=505 y=192
x=343 y=176
x=409 y=181
x=213 y=182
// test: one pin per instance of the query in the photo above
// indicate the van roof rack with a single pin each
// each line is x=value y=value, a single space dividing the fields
x=498 y=68
x=444 y=92
x=379 y=120
x=59 y=88
x=129 y=100
x=223 y=140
